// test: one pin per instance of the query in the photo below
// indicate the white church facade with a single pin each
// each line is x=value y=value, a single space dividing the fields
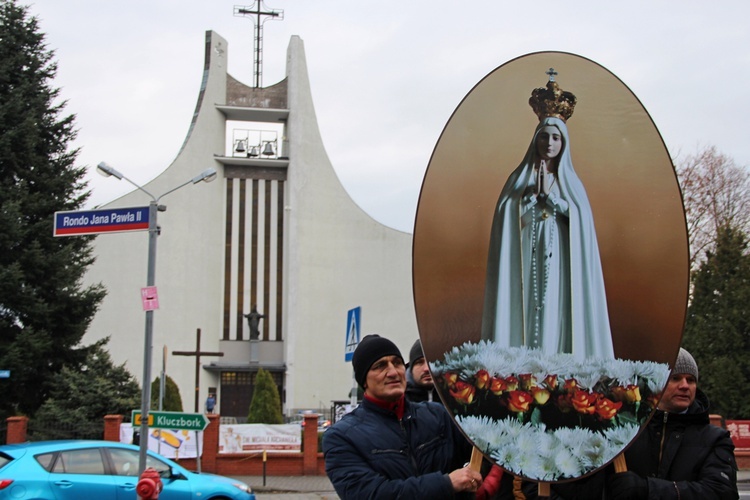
x=277 y=231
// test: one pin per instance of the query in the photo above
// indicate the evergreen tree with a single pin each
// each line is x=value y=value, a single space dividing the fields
x=172 y=400
x=81 y=395
x=717 y=331
x=44 y=310
x=265 y=407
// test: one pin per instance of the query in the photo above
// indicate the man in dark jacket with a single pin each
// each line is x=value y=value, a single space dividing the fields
x=419 y=384
x=679 y=455
x=389 y=447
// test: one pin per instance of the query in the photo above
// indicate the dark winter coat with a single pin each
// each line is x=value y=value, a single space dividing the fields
x=370 y=454
x=697 y=461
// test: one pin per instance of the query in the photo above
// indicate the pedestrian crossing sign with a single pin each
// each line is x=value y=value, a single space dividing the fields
x=353 y=317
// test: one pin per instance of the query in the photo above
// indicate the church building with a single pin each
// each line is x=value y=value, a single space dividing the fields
x=260 y=268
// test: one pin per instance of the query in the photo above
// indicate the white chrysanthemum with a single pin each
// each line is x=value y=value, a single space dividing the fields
x=530 y=465
x=528 y=442
x=506 y=456
x=588 y=376
x=571 y=437
x=621 y=435
x=594 y=448
x=655 y=374
x=567 y=464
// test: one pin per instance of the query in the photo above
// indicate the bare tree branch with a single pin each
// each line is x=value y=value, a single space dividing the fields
x=716 y=193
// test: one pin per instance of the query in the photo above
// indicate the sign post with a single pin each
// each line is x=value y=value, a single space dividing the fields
x=353 y=322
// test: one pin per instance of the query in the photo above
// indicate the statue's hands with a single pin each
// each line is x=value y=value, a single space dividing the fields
x=543 y=183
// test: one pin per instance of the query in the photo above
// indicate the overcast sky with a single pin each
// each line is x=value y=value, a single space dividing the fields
x=386 y=76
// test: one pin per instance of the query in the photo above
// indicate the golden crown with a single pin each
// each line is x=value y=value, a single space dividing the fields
x=552 y=101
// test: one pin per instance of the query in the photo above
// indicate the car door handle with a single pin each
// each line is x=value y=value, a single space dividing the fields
x=64 y=483
x=128 y=486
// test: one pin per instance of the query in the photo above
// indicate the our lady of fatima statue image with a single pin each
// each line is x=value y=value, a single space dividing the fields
x=544 y=287
x=542 y=392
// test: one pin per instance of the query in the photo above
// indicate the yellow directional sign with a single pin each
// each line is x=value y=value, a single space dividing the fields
x=137 y=418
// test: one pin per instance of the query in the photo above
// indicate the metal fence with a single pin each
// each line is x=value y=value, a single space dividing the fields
x=45 y=430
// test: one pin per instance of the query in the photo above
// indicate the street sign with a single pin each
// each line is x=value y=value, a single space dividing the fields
x=173 y=420
x=4 y=373
x=150 y=298
x=110 y=220
x=353 y=318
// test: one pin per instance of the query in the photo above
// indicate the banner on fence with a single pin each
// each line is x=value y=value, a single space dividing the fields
x=252 y=438
x=740 y=432
x=170 y=443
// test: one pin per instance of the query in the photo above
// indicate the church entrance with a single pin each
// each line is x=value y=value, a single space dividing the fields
x=237 y=393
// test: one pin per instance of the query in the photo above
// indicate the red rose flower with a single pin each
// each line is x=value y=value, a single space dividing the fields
x=629 y=394
x=450 y=378
x=482 y=379
x=540 y=395
x=551 y=382
x=570 y=385
x=607 y=409
x=583 y=401
x=512 y=383
x=498 y=386
x=519 y=401
x=463 y=392
x=527 y=381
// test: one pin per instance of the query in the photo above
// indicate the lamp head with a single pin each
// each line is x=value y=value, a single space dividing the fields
x=207 y=175
x=107 y=171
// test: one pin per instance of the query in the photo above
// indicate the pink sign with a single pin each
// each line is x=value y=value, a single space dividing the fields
x=740 y=432
x=150 y=298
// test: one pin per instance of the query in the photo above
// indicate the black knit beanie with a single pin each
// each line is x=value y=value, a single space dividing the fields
x=370 y=349
x=416 y=352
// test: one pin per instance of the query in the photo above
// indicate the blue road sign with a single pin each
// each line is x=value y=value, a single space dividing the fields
x=353 y=318
x=110 y=220
x=4 y=373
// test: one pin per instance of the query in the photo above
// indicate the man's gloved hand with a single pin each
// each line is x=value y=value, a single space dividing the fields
x=490 y=484
x=627 y=486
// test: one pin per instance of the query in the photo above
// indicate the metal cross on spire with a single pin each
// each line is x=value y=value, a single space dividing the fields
x=260 y=17
x=552 y=74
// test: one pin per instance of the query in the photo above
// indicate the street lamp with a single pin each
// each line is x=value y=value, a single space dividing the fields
x=207 y=175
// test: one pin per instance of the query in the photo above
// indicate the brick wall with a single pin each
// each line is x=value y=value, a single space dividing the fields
x=307 y=463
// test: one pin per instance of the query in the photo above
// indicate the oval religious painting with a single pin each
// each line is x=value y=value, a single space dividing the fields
x=550 y=266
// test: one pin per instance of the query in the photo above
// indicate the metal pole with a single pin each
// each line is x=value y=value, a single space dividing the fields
x=153 y=233
x=162 y=386
x=197 y=369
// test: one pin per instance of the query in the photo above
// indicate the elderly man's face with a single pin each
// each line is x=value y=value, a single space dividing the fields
x=386 y=379
x=679 y=393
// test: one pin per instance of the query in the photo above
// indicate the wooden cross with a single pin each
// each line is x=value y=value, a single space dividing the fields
x=197 y=353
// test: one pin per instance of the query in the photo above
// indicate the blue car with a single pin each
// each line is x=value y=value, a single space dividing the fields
x=101 y=470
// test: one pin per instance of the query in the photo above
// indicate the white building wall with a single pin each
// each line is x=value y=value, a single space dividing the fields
x=336 y=257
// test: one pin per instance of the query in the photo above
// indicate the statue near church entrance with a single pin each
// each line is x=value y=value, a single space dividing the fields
x=253 y=320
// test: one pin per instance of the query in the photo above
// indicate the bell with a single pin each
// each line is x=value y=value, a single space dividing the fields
x=240 y=147
x=253 y=151
x=268 y=149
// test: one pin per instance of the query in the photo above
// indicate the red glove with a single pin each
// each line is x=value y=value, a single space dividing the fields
x=490 y=484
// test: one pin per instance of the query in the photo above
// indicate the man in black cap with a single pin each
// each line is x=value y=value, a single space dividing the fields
x=419 y=384
x=680 y=455
x=389 y=447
